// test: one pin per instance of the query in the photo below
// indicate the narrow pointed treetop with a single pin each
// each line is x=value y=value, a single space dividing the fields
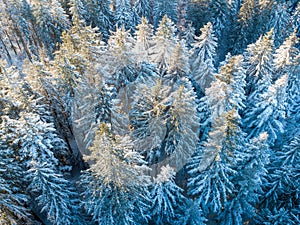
x=120 y=46
x=165 y=41
x=259 y=65
x=206 y=44
x=203 y=57
x=143 y=35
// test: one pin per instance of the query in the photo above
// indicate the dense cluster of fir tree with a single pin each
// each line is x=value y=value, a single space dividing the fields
x=149 y=112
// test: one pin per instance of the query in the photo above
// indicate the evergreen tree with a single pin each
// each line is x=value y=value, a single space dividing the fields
x=197 y=13
x=295 y=17
x=192 y=215
x=78 y=9
x=229 y=85
x=253 y=19
x=280 y=21
x=259 y=66
x=165 y=122
x=52 y=20
x=204 y=113
x=205 y=47
x=182 y=126
x=282 y=189
x=269 y=112
x=75 y=66
x=213 y=168
x=233 y=74
x=100 y=15
x=18 y=27
x=189 y=35
x=203 y=58
x=52 y=192
x=33 y=139
x=116 y=182
x=252 y=174
x=179 y=65
x=219 y=13
x=10 y=92
x=120 y=45
x=285 y=55
x=12 y=197
x=164 y=42
x=148 y=117
x=36 y=143
x=285 y=62
x=293 y=91
x=124 y=15
x=167 y=198
x=143 y=35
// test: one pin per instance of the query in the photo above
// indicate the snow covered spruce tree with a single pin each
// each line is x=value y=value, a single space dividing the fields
x=165 y=41
x=168 y=201
x=143 y=36
x=293 y=90
x=17 y=27
x=35 y=143
x=192 y=215
x=249 y=183
x=182 y=125
x=281 y=22
x=214 y=166
x=189 y=34
x=281 y=199
x=286 y=62
x=98 y=14
x=268 y=114
x=259 y=66
x=220 y=17
x=74 y=63
x=203 y=58
x=12 y=198
x=285 y=54
x=164 y=121
x=124 y=15
x=179 y=65
x=229 y=84
x=116 y=183
x=78 y=8
x=120 y=45
x=252 y=21
x=52 y=20
x=148 y=117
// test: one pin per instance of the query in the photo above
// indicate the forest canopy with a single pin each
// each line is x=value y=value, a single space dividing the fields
x=157 y=112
